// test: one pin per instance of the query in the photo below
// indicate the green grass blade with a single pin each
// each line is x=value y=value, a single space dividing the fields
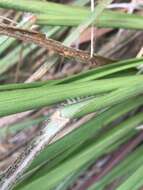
x=33 y=98
x=75 y=162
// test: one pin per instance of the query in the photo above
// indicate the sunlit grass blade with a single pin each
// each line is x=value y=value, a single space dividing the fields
x=33 y=98
x=57 y=14
x=108 y=19
x=133 y=180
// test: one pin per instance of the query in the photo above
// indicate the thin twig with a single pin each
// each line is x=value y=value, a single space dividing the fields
x=41 y=40
x=92 y=32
